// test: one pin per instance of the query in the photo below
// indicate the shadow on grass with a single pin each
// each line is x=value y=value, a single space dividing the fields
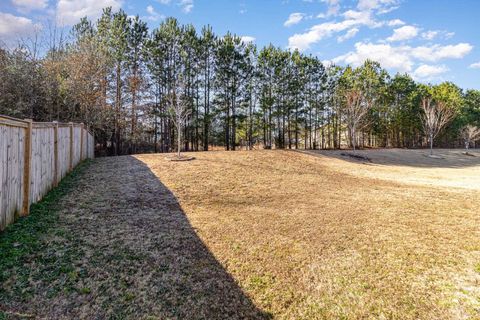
x=117 y=245
x=419 y=158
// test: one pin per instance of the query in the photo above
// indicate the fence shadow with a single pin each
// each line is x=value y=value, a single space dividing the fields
x=135 y=253
x=177 y=275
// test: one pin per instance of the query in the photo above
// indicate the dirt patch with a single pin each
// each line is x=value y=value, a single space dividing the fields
x=177 y=159
x=356 y=156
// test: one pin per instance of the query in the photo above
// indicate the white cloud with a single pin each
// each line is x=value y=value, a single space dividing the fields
x=28 y=5
x=429 y=35
x=475 y=65
x=153 y=15
x=150 y=10
x=352 y=19
x=403 y=33
x=438 y=52
x=364 y=15
x=332 y=10
x=426 y=71
x=387 y=9
x=302 y=41
x=248 y=39
x=432 y=34
x=381 y=6
x=402 y=58
x=367 y=4
x=14 y=27
x=362 y=18
x=388 y=56
x=187 y=5
x=448 y=35
x=350 y=34
x=70 y=12
x=293 y=19
x=395 y=22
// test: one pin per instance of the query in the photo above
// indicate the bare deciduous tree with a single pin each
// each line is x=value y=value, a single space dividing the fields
x=356 y=108
x=179 y=111
x=470 y=134
x=436 y=115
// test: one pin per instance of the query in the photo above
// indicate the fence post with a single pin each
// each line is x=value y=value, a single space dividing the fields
x=55 y=153
x=27 y=168
x=71 y=146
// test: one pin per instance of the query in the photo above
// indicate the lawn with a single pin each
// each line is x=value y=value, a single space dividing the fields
x=262 y=234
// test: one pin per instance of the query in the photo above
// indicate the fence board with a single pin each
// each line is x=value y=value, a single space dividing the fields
x=63 y=151
x=91 y=146
x=77 y=137
x=11 y=173
x=43 y=161
x=44 y=169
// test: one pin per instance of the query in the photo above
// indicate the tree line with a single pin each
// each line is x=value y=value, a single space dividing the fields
x=121 y=79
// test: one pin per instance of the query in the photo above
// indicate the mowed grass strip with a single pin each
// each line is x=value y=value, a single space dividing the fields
x=307 y=241
x=24 y=243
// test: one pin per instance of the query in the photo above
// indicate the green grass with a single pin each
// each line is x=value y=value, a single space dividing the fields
x=21 y=242
x=477 y=268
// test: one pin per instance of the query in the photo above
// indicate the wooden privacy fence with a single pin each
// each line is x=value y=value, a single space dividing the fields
x=34 y=157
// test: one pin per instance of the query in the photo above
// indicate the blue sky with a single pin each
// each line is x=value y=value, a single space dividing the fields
x=432 y=40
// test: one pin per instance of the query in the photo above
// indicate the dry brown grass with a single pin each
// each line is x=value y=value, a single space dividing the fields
x=306 y=238
x=245 y=235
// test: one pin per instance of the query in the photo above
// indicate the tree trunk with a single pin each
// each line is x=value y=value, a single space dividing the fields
x=353 y=139
x=179 y=142
x=431 y=144
x=206 y=117
x=117 y=109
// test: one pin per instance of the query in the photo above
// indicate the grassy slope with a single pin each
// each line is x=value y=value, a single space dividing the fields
x=302 y=240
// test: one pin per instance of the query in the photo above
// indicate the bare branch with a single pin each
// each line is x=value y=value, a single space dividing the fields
x=436 y=115
x=179 y=111
x=470 y=134
x=356 y=109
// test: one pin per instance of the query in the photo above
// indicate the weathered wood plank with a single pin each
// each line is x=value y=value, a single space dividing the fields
x=34 y=157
